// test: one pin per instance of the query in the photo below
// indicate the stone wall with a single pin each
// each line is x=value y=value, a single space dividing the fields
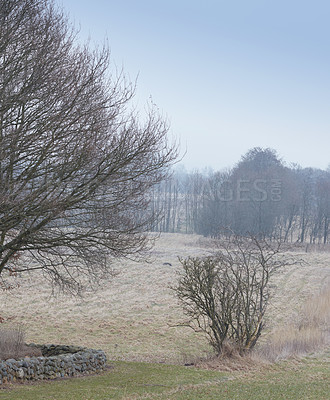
x=56 y=362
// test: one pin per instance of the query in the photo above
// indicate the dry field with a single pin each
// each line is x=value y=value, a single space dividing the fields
x=134 y=316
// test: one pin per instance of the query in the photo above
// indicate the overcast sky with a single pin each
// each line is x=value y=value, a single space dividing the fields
x=229 y=75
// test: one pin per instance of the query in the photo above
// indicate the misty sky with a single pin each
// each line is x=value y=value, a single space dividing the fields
x=229 y=75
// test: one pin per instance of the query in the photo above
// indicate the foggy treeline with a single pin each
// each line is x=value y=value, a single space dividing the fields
x=260 y=195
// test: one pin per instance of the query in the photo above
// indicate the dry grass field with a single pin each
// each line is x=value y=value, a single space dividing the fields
x=134 y=315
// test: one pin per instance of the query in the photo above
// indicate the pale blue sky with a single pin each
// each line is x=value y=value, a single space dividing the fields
x=230 y=75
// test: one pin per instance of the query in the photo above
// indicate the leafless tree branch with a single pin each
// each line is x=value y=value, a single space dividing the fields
x=76 y=164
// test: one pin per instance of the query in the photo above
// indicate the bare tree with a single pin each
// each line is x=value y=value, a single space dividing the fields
x=226 y=295
x=76 y=165
x=321 y=218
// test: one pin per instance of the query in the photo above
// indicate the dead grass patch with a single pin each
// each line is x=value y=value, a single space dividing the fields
x=231 y=360
x=12 y=345
x=131 y=317
x=308 y=332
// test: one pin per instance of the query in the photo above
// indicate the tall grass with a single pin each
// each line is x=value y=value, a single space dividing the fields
x=308 y=333
x=12 y=344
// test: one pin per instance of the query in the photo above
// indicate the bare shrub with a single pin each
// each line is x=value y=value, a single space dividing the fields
x=12 y=344
x=226 y=295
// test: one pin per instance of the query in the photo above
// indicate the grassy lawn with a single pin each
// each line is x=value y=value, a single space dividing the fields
x=306 y=379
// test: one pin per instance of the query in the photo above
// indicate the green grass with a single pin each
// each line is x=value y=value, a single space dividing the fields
x=307 y=379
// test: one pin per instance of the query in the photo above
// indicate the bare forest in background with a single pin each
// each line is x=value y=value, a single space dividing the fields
x=260 y=195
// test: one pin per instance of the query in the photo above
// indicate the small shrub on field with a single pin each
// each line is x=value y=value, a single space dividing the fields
x=12 y=345
x=225 y=296
x=311 y=331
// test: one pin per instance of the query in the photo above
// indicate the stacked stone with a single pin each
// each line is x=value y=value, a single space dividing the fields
x=56 y=362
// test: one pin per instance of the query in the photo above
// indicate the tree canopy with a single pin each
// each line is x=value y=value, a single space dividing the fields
x=76 y=163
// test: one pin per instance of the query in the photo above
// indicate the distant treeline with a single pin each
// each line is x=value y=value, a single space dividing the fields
x=260 y=195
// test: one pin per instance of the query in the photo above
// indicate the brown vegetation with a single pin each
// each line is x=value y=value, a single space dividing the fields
x=134 y=316
x=308 y=332
x=12 y=345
